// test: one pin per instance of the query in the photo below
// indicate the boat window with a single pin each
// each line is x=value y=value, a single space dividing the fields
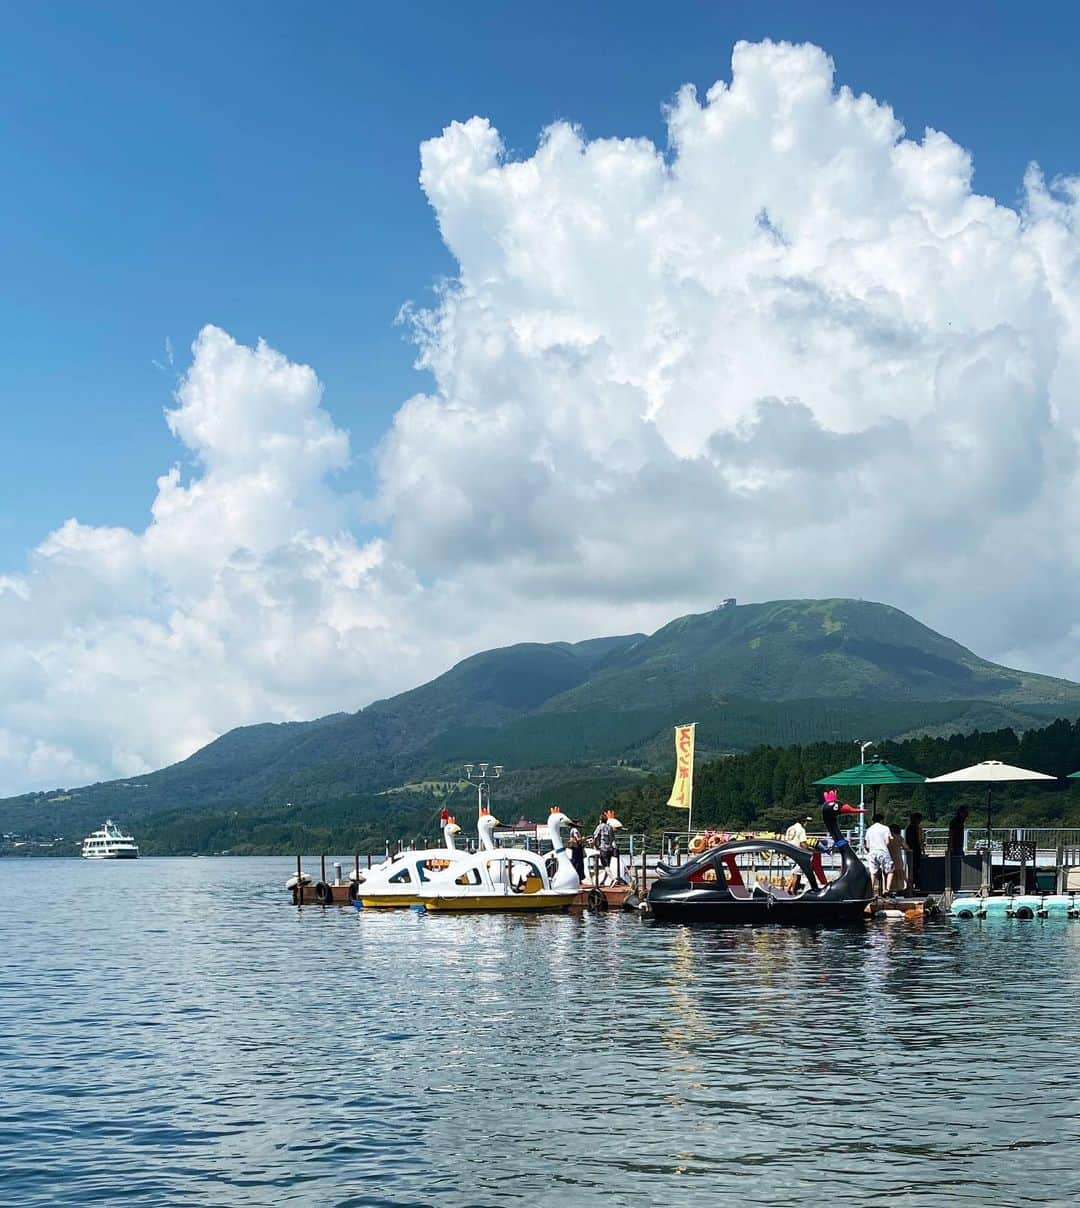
x=710 y=873
x=400 y=878
x=525 y=877
x=778 y=875
x=469 y=877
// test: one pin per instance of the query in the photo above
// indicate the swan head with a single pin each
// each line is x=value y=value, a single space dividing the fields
x=830 y=812
x=557 y=818
x=452 y=828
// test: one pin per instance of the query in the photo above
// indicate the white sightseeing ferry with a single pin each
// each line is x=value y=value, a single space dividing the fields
x=109 y=843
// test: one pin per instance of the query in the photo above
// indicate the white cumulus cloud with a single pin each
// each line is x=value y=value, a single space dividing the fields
x=244 y=599
x=791 y=353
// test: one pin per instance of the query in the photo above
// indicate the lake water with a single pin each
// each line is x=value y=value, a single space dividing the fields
x=174 y=1032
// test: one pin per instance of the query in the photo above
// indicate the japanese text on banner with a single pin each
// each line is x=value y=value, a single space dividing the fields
x=682 y=791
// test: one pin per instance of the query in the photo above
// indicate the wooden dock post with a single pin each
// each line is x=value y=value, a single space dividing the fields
x=322 y=868
x=356 y=871
x=299 y=890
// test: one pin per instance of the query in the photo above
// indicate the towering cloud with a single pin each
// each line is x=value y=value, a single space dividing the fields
x=792 y=353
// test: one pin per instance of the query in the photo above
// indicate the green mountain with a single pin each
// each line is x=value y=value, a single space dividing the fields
x=804 y=649
x=596 y=714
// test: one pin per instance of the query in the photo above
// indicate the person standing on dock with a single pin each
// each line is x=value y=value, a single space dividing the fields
x=576 y=844
x=957 y=826
x=878 y=857
x=604 y=842
x=898 y=876
x=915 y=839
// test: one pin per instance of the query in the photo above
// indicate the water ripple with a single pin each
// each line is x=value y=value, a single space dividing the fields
x=176 y=1034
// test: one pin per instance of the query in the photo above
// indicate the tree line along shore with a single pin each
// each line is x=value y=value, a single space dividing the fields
x=760 y=789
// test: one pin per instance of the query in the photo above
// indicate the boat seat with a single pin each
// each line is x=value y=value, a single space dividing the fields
x=740 y=892
x=780 y=893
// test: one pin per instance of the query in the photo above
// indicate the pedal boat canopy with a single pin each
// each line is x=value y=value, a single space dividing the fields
x=710 y=887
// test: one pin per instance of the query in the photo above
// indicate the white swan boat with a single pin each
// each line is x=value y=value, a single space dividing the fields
x=109 y=843
x=396 y=882
x=508 y=878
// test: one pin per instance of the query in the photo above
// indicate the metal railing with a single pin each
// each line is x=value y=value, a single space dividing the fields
x=1046 y=838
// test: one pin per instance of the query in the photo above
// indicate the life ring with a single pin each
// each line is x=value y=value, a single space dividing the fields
x=324 y=894
x=715 y=841
x=697 y=844
x=597 y=900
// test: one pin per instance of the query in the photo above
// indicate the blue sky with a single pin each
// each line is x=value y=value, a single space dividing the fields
x=255 y=165
x=648 y=399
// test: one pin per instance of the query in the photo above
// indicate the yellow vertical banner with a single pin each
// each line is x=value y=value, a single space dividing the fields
x=682 y=791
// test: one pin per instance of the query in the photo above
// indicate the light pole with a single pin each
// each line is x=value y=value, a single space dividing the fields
x=862 y=792
x=482 y=779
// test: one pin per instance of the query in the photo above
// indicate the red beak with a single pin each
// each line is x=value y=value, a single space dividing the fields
x=851 y=809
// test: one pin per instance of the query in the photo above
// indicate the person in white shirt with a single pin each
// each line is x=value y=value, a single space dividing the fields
x=877 y=850
x=796 y=832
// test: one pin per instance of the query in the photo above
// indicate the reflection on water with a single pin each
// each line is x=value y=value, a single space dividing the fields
x=177 y=1033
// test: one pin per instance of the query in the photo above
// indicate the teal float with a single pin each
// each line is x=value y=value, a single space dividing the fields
x=1018 y=906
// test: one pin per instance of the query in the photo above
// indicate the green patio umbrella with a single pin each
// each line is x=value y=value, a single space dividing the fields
x=873 y=773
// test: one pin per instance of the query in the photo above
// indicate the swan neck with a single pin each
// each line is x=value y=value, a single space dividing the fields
x=832 y=825
x=566 y=875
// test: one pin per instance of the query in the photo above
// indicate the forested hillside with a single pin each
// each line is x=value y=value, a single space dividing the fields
x=767 y=786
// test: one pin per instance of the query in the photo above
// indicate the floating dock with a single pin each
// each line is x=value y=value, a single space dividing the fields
x=1017 y=906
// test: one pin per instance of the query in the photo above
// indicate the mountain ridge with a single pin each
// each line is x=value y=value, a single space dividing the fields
x=777 y=672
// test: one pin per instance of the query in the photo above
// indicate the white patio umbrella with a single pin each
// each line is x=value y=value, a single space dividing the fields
x=989 y=772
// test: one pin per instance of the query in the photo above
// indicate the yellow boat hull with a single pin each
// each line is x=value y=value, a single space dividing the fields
x=502 y=901
x=388 y=901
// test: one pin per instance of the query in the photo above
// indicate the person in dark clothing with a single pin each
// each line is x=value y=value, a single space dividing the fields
x=916 y=841
x=576 y=844
x=604 y=840
x=956 y=846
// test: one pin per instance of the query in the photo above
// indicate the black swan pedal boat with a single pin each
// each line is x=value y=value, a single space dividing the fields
x=709 y=888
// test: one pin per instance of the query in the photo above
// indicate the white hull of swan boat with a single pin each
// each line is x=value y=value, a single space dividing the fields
x=508 y=878
x=396 y=883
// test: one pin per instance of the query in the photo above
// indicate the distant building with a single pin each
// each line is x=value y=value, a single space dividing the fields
x=521 y=831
